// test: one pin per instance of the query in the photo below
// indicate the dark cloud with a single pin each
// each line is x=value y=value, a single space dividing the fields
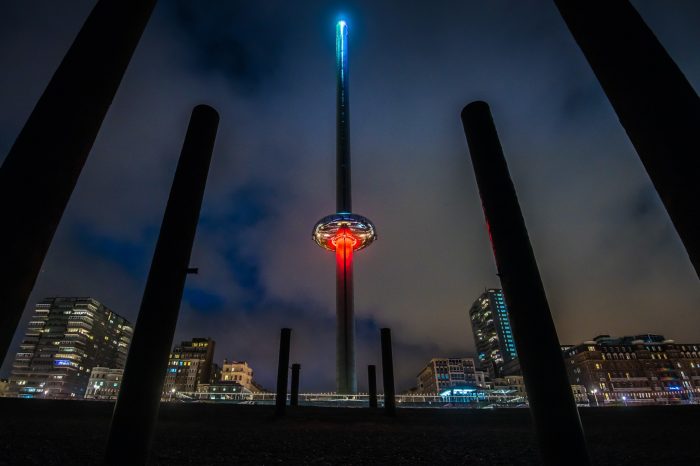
x=242 y=41
x=610 y=259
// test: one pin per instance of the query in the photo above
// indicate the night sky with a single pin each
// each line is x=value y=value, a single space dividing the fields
x=610 y=259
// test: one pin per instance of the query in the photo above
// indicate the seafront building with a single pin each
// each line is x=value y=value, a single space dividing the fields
x=190 y=364
x=64 y=340
x=222 y=390
x=442 y=373
x=235 y=383
x=104 y=383
x=4 y=387
x=239 y=372
x=492 y=332
x=511 y=382
x=635 y=369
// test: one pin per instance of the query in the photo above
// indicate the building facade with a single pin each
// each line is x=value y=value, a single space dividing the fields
x=441 y=374
x=514 y=383
x=240 y=372
x=4 y=387
x=190 y=364
x=635 y=369
x=493 y=335
x=104 y=383
x=580 y=395
x=65 y=339
x=224 y=390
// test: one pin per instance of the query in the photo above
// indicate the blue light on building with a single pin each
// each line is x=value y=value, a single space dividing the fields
x=493 y=334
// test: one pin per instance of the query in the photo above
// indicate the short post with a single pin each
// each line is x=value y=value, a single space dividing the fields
x=552 y=403
x=372 y=383
x=388 y=373
x=294 y=397
x=136 y=411
x=283 y=371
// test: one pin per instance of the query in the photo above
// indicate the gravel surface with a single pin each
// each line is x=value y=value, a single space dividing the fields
x=45 y=432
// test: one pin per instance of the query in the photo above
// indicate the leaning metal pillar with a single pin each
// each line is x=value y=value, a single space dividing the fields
x=136 y=411
x=654 y=101
x=551 y=400
x=39 y=174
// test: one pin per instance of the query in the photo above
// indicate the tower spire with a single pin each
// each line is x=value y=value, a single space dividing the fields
x=344 y=193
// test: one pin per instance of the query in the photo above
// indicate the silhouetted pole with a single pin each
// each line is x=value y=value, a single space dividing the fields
x=283 y=371
x=549 y=393
x=42 y=167
x=388 y=372
x=294 y=397
x=654 y=101
x=136 y=411
x=372 y=383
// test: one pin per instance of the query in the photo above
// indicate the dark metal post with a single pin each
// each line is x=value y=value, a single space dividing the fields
x=136 y=411
x=372 y=383
x=283 y=371
x=40 y=172
x=549 y=393
x=654 y=101
x=294 y=398
x=388 y=372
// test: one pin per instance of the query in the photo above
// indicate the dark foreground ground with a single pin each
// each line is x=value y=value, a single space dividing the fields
x=46 y=432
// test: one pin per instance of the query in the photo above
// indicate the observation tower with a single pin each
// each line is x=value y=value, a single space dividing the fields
x=344 y=232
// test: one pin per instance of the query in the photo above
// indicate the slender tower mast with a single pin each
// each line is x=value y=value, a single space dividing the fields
x=344 y=232
x=344 y=193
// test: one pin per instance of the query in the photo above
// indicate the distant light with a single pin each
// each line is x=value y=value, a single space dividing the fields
x=457 y=392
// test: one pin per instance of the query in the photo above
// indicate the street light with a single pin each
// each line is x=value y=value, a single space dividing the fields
x=624 y=399
x=595 y=395
x=172 y=391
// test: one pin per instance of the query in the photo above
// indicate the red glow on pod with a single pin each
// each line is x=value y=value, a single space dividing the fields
x=344 y=239
x=344 y=243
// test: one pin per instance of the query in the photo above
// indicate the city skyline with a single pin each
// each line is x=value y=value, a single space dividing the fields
x=611 y=262
x=196 y=363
